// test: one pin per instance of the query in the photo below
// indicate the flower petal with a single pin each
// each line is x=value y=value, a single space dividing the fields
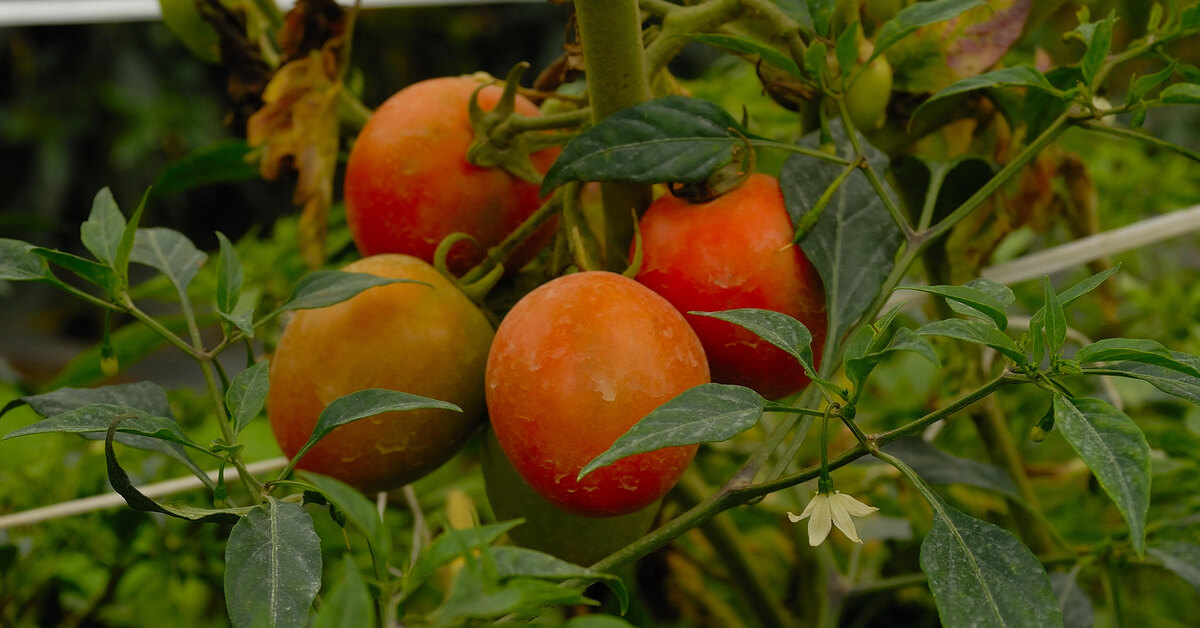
x=794 y=517
x=820 y=523
x=842 y=520
x=852 y=506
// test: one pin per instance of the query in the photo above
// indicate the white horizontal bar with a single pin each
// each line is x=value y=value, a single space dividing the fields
x=48 y=12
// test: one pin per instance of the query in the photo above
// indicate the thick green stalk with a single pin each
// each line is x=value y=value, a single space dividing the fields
x=611 y=34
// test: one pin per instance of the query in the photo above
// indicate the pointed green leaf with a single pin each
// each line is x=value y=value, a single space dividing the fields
x=328 y=287
x=1167 y=380
x=981 y=575
x=1056 y=320
x=519 y=562
x=1134 y=350
x=998 y=291
x=972 y=297
x=101 y=232
x=247 y=395
x=846 y=49
x=1099 y=44
x=128 y=236
x=666 y=139
x=1113 y=446
x=777 y=328
x=358 y=510
x=18 y=262
x=748 y=46
x=229 y=276
x=703 y=414
x=857 y=369
x=977 y=332
x=1143 y=84
x=86 y=269
x=272 y=566
x=1181 y=94
x=96 y=418
x=854 y=243
x=170 y=253
x=1016 y=76
x=915 y=16
x=1181 y=558
x=366 y=403
x=1038 y=320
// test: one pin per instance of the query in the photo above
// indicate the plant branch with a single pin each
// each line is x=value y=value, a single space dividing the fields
x=1124 y=133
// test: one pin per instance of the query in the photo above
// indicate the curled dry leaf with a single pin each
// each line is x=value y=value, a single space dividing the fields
x=297 y=127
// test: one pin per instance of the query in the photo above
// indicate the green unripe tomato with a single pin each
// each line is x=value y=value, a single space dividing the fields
x=548 y=528
x=868 y=97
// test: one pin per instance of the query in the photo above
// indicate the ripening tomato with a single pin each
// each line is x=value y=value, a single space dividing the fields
x=427 y=340
x=573 y=366
x=735 y=252
x=408 y=184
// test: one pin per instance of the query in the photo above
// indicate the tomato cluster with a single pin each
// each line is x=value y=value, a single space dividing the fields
x=571 y=367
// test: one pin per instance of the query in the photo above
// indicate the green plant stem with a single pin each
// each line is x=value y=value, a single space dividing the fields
x=873 y=177
x=610 y=32
x=497 y=254
x=739 y=490
x=679 y=21
x=133 y=310
x=801 y=150
x=1124 y=133
x=726 y=542
x=571 y=119
x=351 y=111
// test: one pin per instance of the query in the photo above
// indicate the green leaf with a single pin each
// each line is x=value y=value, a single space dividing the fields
x=748 y=46
x=858 y=368
x=520 y=562
x=1113 y=446
x=92 y=272
x=328 y=287
x=1181 y=94
x=998 y=291
x=822 y=14
x=777 y=328
x=272 y=566
x=1179 y=557
x=128 y=236
x=450 y=545
x=229 y=276
x=1099 y=42
x=972 y=297
x=703 y=414
x=846 y=48
x=350 y=603
x=1038 y=320
x=1167 y=380
x=854 y=243
x=138 y=501
x=359 y=511
x=940 y=467
x=666 y=139
x=221 y=162
x=915 y=16
x=1016 y=76
x=1056 y=320
x=1073 y=600
x=146 y=396
x=242 y=316
x=471 y=597
x=977 y=332
x=366 y=403
x=1143 y=84
x=1134 y=350
x=981 y=575
x=18 y=262
x=247 y=394
x=97 y=416
x=170 y=253
x=101 y=232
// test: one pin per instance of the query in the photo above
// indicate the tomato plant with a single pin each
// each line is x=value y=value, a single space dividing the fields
x=409 y=185
x=576 y=363
x=426 y=338
x=732 y=252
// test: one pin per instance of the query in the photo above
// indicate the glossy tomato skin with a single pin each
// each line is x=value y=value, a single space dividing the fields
x=735 y=252
x=408 y=184
x=427 y=340
x=574 y=365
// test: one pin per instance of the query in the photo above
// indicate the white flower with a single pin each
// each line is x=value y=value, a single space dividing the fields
x=836 y=509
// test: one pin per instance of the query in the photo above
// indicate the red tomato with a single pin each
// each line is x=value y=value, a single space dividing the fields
x=735 y=252
x=408 y=184
x=576 y=363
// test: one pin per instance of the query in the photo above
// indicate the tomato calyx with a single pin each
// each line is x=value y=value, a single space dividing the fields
x=497 y=144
